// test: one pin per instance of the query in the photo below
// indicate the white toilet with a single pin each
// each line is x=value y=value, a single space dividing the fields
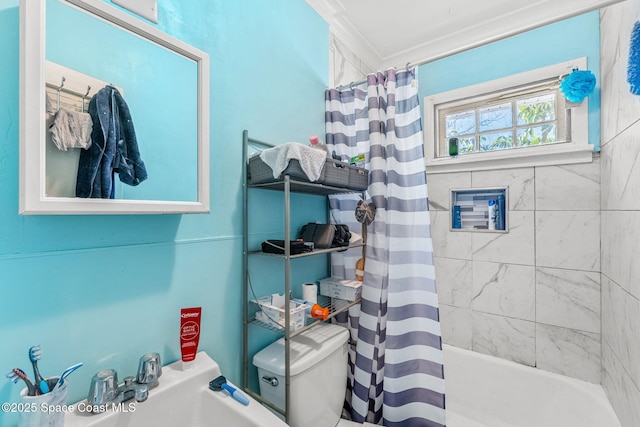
x=318 y=376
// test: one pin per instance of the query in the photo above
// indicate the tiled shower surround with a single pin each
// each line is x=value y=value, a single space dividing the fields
x=620 y=115
x=531 y=295
x=562 y=293
x=561 y=290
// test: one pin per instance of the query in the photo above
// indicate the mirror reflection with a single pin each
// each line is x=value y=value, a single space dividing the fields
x=144 y=97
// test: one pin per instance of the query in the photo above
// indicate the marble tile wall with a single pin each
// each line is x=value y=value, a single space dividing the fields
x=531 y=295
x=620 y=216
x=344 y=65
x=561 y=291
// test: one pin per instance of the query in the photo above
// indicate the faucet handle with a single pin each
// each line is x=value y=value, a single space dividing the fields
x=149 y=369
x=141 y=392
x=103 y=388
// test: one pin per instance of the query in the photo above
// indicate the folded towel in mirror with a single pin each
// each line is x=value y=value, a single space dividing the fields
x=71 y=129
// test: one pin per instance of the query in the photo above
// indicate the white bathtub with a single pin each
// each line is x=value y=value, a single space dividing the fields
x=487 y=391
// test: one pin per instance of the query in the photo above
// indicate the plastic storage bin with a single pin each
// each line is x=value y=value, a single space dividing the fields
x=261 y=173
x=334 y=173
x=348 y=290
x=341 y=174
x=358 y=178
x=272 y=312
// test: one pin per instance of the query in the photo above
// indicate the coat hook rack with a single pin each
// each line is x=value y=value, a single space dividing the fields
x=84 y=97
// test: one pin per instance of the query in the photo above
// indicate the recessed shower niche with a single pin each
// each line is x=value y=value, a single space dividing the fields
x=480 y=209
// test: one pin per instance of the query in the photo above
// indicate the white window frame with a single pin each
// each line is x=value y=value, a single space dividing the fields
x=578 y=150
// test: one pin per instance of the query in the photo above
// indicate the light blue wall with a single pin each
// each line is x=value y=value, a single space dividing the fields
x=573 y=38
x=106 y=289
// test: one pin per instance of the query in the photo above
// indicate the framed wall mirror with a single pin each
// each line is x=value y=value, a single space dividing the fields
x=146 y=95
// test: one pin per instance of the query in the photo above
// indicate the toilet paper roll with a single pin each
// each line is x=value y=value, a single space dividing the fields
x=310 y=292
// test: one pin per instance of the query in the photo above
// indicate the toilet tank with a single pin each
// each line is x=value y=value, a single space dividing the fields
x=318 y=375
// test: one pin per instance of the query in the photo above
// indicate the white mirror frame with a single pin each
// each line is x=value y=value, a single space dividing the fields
x=33 y=199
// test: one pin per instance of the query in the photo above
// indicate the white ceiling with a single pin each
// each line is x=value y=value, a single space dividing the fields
x=388 y=33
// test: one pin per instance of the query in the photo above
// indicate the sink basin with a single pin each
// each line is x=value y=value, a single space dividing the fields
x=182 y=398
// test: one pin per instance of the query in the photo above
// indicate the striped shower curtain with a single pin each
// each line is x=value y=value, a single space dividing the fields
x=396 y=369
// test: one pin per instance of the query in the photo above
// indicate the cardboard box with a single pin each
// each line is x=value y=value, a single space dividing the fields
x=348 y=290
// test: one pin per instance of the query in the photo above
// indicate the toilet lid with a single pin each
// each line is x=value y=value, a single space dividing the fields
x=307 y=349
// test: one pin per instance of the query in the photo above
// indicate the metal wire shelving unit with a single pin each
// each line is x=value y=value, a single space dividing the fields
x=286 y=186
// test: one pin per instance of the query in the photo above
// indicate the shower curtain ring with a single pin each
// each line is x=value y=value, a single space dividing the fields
x=351 y=86
x=408 y=65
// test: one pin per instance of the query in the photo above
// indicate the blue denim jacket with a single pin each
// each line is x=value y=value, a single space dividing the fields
x=114 y=148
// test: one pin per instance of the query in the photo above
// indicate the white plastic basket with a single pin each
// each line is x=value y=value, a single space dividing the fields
x=272 y=312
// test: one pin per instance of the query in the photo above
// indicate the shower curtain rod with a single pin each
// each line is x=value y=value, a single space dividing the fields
x=496 y=38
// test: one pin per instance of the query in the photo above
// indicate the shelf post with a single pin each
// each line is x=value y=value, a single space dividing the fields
x=245 y=264
x=287 y=294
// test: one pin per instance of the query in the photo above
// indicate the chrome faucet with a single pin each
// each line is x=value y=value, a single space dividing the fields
x=105 y=390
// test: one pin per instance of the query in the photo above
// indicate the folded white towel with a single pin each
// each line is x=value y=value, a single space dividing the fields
x=71 y=129
x=311 y=159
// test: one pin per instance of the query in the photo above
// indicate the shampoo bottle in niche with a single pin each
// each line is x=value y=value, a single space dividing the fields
x=189 y=335
x=500 y=213
x=492 y=214
x=456 y=217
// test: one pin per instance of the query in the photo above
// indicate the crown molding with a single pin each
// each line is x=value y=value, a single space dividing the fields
x=333 y=12
x=464 y=33
x=516 y=21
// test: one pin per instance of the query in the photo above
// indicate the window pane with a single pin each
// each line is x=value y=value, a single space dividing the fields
x=495 y=117
x=502 y=120
x=536 y=135
x=537 y=109
x=496 y=141
x=462 y=123
x=466 y=145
